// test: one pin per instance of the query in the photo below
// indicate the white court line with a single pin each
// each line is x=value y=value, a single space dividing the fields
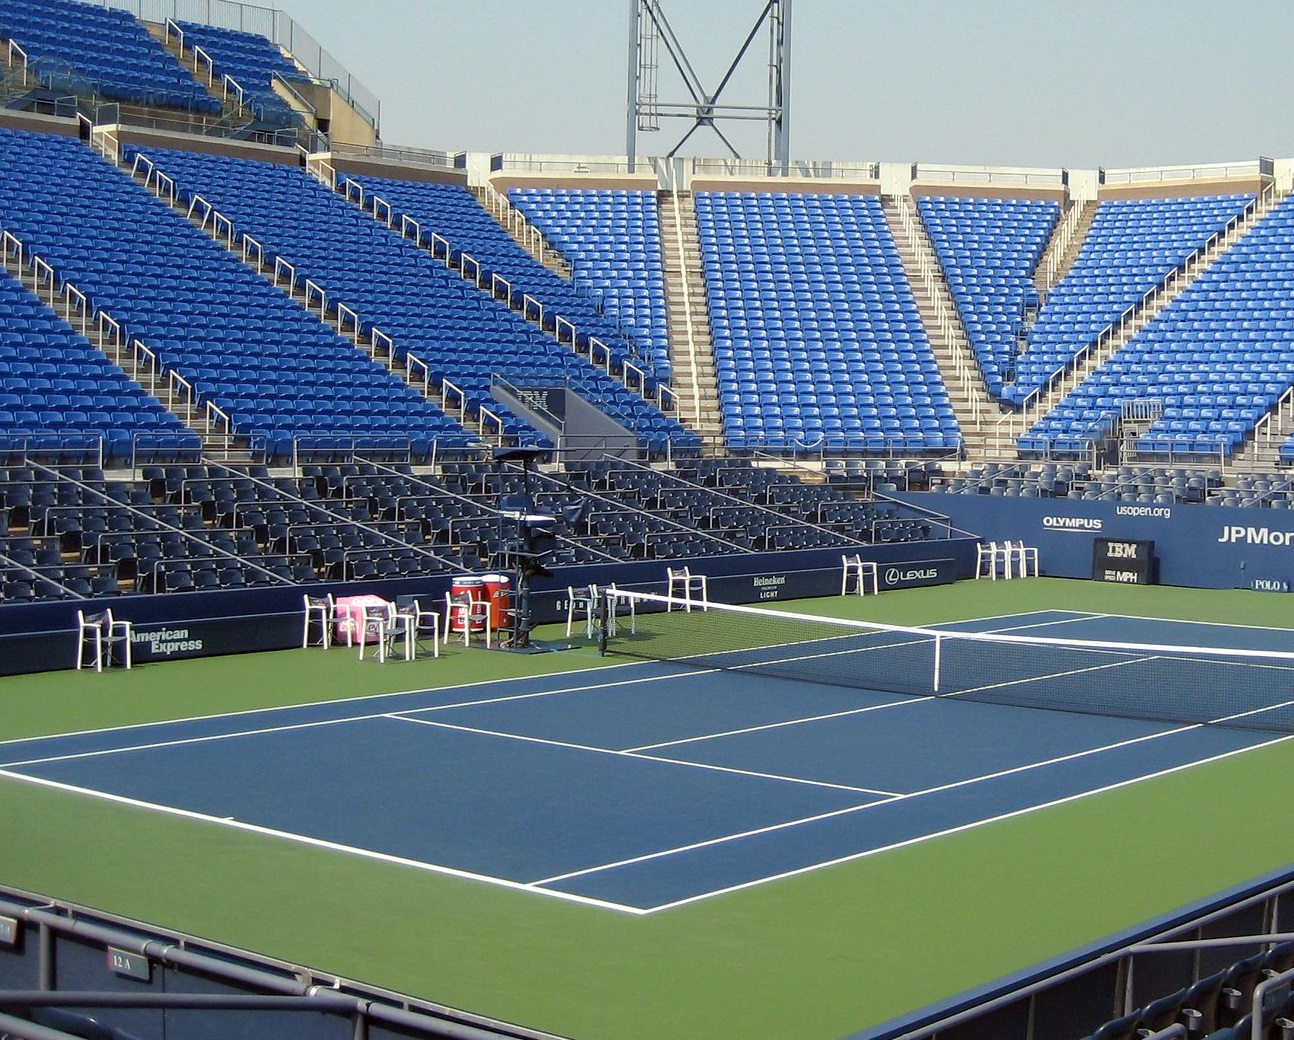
x=1207 y=624
x=302 y=839
x=1076 y=618
x=286 y=727
x=645 y=758
x=532 y=886
x=972 y=825
x=953 y=785
x=688 y=670
x=351 y=700
x=180 y=742
x=777 y=725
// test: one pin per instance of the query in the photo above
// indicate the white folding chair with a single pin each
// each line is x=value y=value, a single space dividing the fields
x=684 y=585
x=378 y=621
x=100 y=634
x=582 y=600
x=859 y=571
x=322 y=610
x=1028 y=561
x=466 y=614
x=426 y=628
x=987 y=560
x=1020 y=560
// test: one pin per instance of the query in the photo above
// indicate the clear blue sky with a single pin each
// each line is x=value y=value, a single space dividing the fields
x=999 y=82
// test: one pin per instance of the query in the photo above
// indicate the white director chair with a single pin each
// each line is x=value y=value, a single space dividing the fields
x=466 y=614
x=97 y=637
x=379 y=620
x=615 y=603
x=859 y=572
x=415 y=628
x=685 y=585
x=990 y=559
x=582 y=601
x=1020 y=560
x=321 y=610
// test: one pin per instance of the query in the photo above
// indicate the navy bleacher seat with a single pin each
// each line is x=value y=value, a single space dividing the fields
x=277 y=372
x=817 y=339
x=83 y=48
x=1217 y=358
x=463 y=334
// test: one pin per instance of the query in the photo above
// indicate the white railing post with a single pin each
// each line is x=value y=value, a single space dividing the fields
x=685 y=276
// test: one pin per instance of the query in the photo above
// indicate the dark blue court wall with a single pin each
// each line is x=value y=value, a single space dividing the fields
x=42 y=636
x=1202 y=546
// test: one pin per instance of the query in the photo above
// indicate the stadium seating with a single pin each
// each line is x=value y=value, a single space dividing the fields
x=611 y=239
x=467 y=337
x=62 y=399
x=252 y=62
x=276 y=371
x=84 y=48
x=1132 y=246
x=989 y=249
x=818 y=343
x=1216 y=359
x=450 y=211
x=72 y=533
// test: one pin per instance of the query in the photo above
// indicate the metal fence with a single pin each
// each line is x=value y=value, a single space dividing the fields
x=275 y=26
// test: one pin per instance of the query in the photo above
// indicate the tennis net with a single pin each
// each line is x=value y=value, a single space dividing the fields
x=1161 y=683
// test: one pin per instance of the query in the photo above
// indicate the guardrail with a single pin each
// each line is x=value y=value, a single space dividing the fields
x=967 y=370
x=1130 y=321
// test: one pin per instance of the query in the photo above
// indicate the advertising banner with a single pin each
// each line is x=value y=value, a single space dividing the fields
x=1218 y=547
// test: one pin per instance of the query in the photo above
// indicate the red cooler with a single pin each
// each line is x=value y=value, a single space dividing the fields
x=471 y=589
x=498 y=593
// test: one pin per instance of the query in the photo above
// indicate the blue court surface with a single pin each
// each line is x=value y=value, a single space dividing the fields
x=639 y=787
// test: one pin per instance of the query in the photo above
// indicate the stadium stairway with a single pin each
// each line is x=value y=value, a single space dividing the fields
x=1002 y=438
x=691 y=345
x=975 y=410
x=1264 y=451
x=524 y=233
x=1062 y=248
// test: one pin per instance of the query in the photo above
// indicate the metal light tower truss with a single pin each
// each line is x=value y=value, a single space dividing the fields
x=650 y=30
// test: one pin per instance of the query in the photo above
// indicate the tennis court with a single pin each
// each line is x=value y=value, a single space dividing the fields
x=651 y=785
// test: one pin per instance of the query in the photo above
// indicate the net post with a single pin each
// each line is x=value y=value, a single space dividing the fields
x=601 y=607
x=939 y=639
